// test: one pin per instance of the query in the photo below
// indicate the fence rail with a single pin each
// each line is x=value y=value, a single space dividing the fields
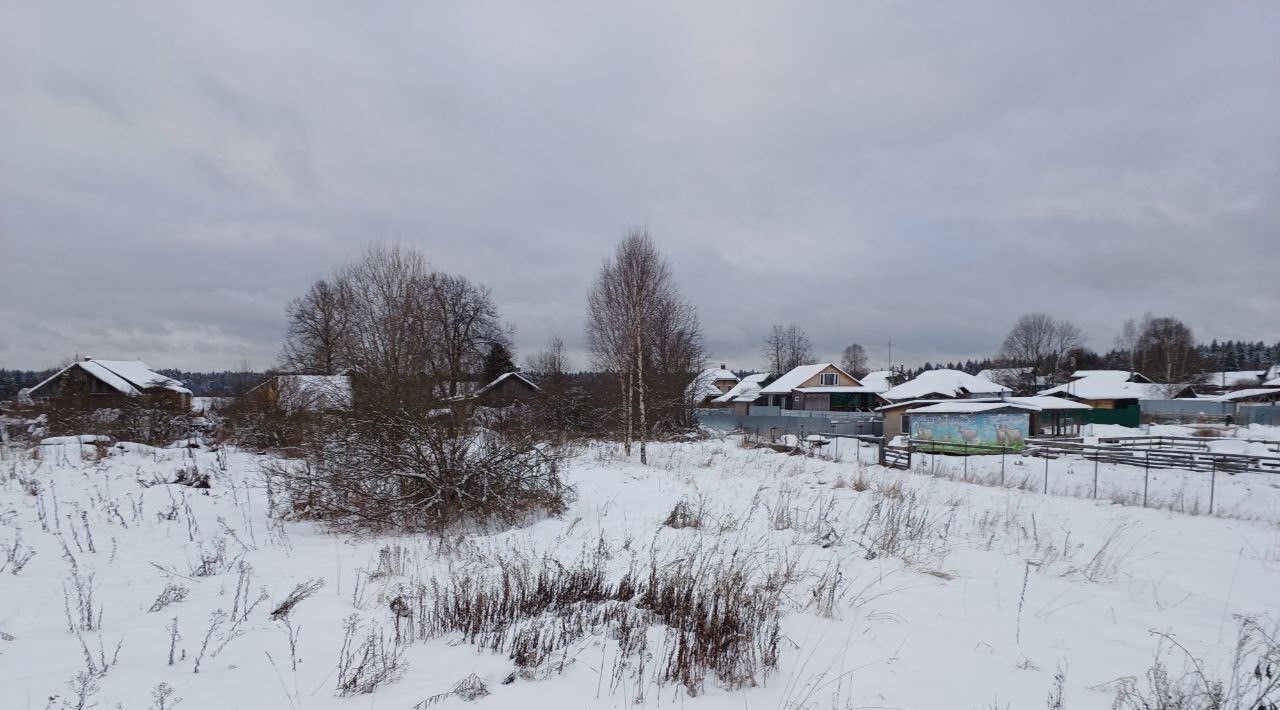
x=1145 y=453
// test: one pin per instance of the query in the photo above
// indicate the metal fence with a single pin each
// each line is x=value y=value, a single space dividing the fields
x=780 y=424
x=1258 y=414
x=1185 y=410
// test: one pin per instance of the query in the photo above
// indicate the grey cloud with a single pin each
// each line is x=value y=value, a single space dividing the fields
x=170 y=177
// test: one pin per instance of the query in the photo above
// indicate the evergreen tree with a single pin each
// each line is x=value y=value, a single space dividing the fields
x=497 y=362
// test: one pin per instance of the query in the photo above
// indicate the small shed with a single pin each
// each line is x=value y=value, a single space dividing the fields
x=962 y=426
x=1257 y=395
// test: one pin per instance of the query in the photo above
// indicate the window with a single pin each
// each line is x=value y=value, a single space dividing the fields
x=828 y=379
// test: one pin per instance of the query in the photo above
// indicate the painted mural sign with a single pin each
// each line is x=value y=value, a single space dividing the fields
x=954 y=432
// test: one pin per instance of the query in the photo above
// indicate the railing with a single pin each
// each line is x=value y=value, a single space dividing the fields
x=1145 y=453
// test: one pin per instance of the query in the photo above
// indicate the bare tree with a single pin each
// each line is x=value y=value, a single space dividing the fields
x=1038 y=343
x=550 y=362
x=636 y=320
x=318 y=331
x=1166 y=352
x=854 y=360
x=463 y=323
x=786 y=348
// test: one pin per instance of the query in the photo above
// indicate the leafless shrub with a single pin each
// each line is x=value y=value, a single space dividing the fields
x=391 y=466
x=192 y=477
x=214 y=561
x=469 y=689
x=367 y=659
x=163 y=698
x=16 y=555
x=216 y=620
x=860 y=484
x=301 y=591
x=88 y=614
x=1251 y=683
x=719 y=617
x=393 y=561
x=685 y=515
x=172 y=594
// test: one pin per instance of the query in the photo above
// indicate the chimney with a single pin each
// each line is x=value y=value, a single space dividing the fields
x=723 y=366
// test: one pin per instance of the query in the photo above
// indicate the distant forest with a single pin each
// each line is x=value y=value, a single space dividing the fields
x=1227 y=355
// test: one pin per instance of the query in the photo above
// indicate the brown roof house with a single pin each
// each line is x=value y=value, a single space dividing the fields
x=98 y=384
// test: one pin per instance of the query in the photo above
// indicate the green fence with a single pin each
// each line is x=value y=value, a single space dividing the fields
x=1124 y=416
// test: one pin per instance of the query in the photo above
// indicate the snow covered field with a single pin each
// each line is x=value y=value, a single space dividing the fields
x=895 y=589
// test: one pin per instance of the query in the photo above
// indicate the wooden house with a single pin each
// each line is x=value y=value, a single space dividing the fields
x=99 y=384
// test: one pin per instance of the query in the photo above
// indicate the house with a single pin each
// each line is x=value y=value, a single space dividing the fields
x=1115 y=395
x=742 y=395
x=1233 y=379
x=820 y=387
x=303 y=393
x=945 y=384
x=1257 y=395
x=97 y=384
x=711 y=383
x=506 y=389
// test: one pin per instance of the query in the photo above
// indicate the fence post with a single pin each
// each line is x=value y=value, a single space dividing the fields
x=1046 y=474
x=964 y=451
x=1096 y=456
x=1213 y=481
x=1003 y=449
x=1146 y=477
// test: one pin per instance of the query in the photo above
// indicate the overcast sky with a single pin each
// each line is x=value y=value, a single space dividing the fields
x=170 y=177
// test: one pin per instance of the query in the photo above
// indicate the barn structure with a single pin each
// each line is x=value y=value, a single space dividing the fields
x=99 y=384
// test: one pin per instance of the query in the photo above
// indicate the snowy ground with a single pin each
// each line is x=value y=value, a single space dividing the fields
x=983 y=595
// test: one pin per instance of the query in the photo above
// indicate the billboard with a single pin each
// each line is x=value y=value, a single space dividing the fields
x=956 y=432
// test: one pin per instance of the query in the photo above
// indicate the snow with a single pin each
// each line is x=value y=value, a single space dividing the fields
x=1272 y=383
x=947 y=383
x=1107 y=386
x=969 y=407
x=878 y=380
x=747 y=386
x=127 y=377
x=1232 y=378
x=1248 y=394
x=1009 y=585
x=1047 y=403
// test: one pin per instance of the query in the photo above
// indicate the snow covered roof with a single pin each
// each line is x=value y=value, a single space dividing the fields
x=313 y=393
x=1048 y=403
x=502 y=378
x=1108 y=386
x=1114 y=375
x=966 y=406
x=1249 y=394
x=704 y=384
x=798 y=376
x=1038 y=404
x=128 y=377
x=1272 y=383
x=947 y=383
x=749 y=385
x=879 y=380
x=1234 y=377
x=719 y=373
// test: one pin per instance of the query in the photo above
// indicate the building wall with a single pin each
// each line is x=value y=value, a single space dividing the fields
x=1009 y=429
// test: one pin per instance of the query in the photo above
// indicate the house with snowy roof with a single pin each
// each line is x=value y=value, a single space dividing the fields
x=742 y=395
x=945 y=384
x=96 y=384
x=506 y=389
x=711 y=383
x=1115 y=395
x=823 y=387
x=294 y=393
